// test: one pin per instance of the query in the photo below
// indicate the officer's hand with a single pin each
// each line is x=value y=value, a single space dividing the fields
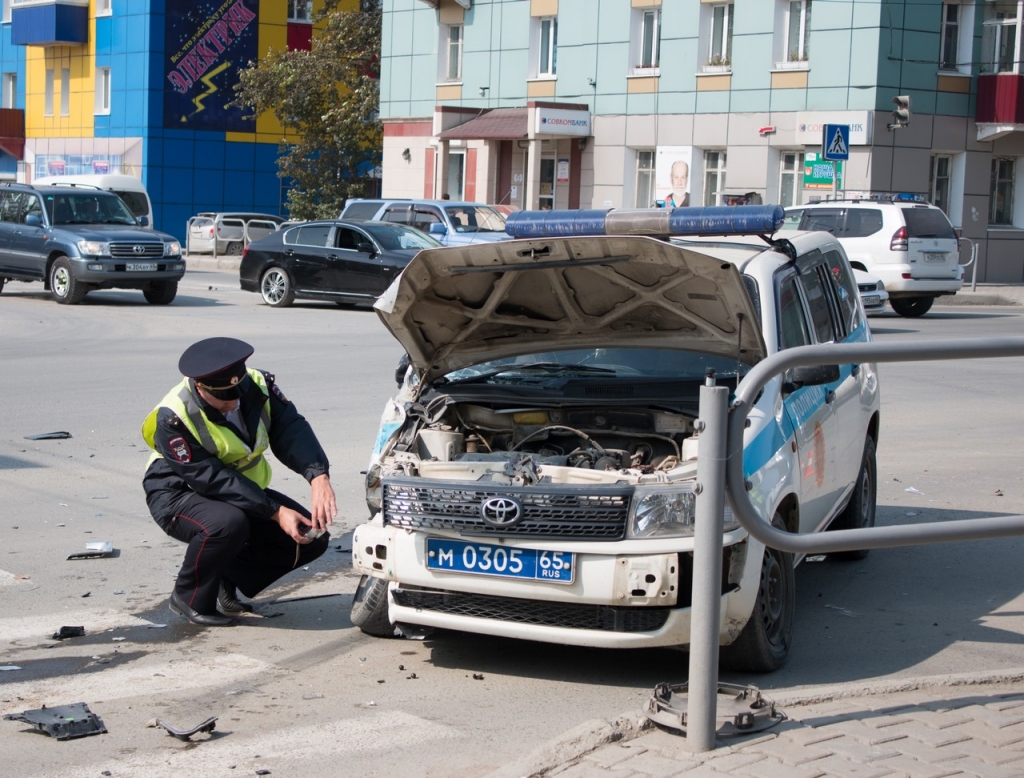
x=324 y=508
x=293 y=523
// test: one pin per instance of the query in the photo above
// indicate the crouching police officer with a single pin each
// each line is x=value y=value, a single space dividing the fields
x=206 y=482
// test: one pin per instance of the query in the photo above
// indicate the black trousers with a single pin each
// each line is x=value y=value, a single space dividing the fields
x=224 y=543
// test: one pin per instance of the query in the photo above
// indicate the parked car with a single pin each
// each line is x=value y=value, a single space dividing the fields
x=233 y=231
x=873 y=296
x=76 y=239
x=535 y=475
x=452 y=223
x=345 y=262
x=910 y=245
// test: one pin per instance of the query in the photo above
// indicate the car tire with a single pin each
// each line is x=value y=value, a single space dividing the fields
x=234 y=249
x=276 y=288
x=64 y=287
x=763 y=645
x=2 y=280
x=912 y=307
x=160 y=292
x=860 y=511
x=370 y=608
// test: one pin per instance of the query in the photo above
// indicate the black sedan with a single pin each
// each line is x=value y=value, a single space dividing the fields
x=349 y=263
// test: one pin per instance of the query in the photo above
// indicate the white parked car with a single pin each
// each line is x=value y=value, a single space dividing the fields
x=910 y=245
x=872 y=291
x=534 y=476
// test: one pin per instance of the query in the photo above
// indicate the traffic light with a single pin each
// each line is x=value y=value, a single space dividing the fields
x=901 y=116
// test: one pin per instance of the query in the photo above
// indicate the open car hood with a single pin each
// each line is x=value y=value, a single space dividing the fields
x=459 y=306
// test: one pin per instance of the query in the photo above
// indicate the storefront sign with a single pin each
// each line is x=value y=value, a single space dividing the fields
x=558 y=121
x=809 y=125
x=562 y=175
x=818 y=172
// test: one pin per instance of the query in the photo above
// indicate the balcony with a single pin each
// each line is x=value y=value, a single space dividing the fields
x=1000 y=106
x=49 y=22
x=12 y=132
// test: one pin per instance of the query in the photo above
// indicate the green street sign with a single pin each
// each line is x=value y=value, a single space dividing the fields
x=818 y=172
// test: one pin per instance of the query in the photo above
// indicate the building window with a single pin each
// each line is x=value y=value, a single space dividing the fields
x=453 y=52
x=1001 y=194
x=938 y=181
x=720 y=51
x=950 y=36
x=10 y=90
x=103 y=7
x=48 y=93
x=791 y=178
x=644 y=179
x=798 y=31
x=102 y=91
x=300 y=11
x=999 y=37
x=65 y=92
x=548 y=42
x=646 y=39
x=714 y=177
x=6 y=11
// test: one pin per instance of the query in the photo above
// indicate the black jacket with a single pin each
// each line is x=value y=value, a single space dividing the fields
x=169 y=478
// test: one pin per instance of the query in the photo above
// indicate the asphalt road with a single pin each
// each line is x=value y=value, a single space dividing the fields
x=299 y=691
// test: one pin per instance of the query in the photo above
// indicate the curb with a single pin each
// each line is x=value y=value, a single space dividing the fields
x=975 y=298
x=576 y=743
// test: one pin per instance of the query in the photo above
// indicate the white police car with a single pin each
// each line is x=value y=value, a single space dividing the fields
x=534 y=476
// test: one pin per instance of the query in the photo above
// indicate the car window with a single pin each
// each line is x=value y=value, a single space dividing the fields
x=10 y=205
x=861 y=222
x=361 y=210
x=347 y=238
x=846 y=288
x=825 y=219
x=395 y=237
x=792 y=220
x=32 y=205
x=313 y=235
x=236 y=223
x=398 y=214
x=792 y=322
x=470 y=218
x=814 y=280
x=202 y=221
x=136 y=202
x=423 y=217
x=927 y=223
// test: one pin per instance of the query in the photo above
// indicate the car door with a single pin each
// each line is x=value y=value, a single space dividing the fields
x=9 y=207
x=306 y=249
x=27 y=241
x=354 y=267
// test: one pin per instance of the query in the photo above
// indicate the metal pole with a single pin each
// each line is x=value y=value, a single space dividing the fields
x=974 y=266
x=706 y=611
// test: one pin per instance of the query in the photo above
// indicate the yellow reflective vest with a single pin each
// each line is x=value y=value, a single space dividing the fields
x=219 y=441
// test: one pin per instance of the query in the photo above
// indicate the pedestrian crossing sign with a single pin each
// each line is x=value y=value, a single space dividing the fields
x=835 y=141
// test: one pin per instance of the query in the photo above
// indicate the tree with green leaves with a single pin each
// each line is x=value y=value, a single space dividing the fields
x=330 y=97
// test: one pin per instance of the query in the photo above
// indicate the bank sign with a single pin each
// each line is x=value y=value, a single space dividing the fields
x=559 y=121
x=809 y=125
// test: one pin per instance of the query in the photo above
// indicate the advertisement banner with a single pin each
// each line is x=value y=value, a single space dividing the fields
x=672 y=175
x=818 y=172
x=205 y=43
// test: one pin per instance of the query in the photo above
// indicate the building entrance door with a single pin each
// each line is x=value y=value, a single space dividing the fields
x=547 y=183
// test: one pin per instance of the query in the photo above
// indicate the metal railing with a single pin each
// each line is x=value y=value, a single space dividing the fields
x=720 y=476
x=972 y=263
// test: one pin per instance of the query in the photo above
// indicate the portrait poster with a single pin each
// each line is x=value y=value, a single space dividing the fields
x=206 y=42
x=672 y=175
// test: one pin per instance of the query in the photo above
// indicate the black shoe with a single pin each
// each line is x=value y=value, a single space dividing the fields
x=228 y=602
x=180 y=607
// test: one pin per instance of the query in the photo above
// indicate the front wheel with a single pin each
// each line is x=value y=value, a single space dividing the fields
x=370 y=608
x=859 y=513
x=912 y=307
x=276 y=288
x=160 y=292
x=763 y=645
x=64 y=287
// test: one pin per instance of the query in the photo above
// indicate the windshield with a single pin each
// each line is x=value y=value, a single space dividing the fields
x=87 y=208
x=475 y=218
x=395 y=237
x=597 y=364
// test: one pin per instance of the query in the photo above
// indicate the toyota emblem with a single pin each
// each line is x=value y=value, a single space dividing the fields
x=501 y=511
x=139 y=249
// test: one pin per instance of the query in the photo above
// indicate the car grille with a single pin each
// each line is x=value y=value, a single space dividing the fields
x=535 y=612
x=549 y=511
x=868 y=287
x=127 y=250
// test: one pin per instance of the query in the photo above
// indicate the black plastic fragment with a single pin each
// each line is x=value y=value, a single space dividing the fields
x=186 y=734
x=49 y=436
x=69 y=632
x=63 y=722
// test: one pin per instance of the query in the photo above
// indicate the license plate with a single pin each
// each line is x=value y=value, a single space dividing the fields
x=460 y=556
x=140 y=266
x=935 y=257
x=870 y=299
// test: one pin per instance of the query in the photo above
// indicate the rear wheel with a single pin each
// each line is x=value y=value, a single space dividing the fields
x=763 y=645
x=912 y=307
x=860 y=511
x=64 y=288
x=160 y=292
x=234 y=249
x=276 y=288
x=2 y=284
x=370 y=608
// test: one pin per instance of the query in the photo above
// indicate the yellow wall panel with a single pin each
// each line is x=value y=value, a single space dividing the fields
x=789 y=79
x=718 y=83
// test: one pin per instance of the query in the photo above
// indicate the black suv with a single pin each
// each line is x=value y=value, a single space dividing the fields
x=75 y=240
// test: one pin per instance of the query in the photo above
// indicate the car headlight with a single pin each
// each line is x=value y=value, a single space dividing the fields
x=172 y=249
x=94 y=248
x=667 y=512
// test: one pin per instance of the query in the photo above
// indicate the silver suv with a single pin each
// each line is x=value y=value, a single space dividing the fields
x=907 y=243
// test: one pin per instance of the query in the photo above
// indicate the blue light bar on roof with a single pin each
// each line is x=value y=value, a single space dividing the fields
x=714 y=220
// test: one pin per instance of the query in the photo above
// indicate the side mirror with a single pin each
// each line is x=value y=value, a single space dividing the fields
x=33 y=220
x=436 y=228
x=144 y=221
x=366 y=248
x=814 y=375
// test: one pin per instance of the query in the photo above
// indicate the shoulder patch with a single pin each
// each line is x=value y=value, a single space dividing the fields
x=278 y=393
x=181 y=450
